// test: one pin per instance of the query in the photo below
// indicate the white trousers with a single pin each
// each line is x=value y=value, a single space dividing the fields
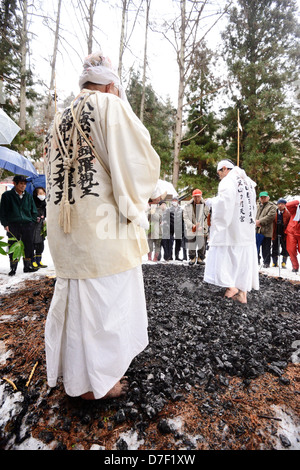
x=94 y=329
x=232 y=266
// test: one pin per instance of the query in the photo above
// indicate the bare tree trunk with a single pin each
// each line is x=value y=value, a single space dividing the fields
x=49 y=110
x=91 y=25
x=23 y=50
x=122 y=37
x=145 y=61
x=181 y=88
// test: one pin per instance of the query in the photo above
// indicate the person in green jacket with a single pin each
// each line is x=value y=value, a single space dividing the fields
x=18 y=214
x=265 y=215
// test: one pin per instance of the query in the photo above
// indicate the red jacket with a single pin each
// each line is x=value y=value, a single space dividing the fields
x=286 y=219
x=293 y=226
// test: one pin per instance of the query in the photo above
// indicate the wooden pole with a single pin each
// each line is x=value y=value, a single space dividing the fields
x=238 y=142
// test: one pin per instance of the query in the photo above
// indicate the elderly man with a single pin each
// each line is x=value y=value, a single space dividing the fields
x=101 y=172
x=195 y=215
x=232 y=258
x=18 y=215
x=266 y=212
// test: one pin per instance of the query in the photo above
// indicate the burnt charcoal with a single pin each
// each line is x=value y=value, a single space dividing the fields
x=164 y=427
x=198 y=338
x=284 y=440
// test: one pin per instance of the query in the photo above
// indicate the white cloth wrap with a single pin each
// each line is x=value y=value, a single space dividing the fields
x=101 y=75
x=225 y=163
x=94 y=329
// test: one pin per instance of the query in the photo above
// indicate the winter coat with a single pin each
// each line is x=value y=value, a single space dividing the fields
x=176 y=222
x=193 y=214
x=266 y=214
x=41 y=209
x=277 y=229
x=293 y=225
x=154 y=219
x=16 y=210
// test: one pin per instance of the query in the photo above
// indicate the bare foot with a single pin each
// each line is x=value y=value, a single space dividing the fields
x=230 y=292
x=241 y=297
x=118 y=390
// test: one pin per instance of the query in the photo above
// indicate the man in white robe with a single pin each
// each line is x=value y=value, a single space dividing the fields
x=232 y=256
x=101 y=170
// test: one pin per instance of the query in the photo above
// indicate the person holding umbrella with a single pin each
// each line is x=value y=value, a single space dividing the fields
x=18 y=214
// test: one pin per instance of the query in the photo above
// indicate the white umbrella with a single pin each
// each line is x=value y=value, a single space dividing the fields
x=8 y=128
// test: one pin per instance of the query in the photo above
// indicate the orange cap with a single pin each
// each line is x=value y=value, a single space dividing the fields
x=197 y=192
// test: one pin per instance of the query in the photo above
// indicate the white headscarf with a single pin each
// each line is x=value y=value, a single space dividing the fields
x=225 y=163
x=99 y=69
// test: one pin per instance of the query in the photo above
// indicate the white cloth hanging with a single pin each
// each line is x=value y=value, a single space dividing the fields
x=94 y=329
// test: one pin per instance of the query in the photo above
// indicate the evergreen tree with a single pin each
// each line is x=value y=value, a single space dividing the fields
x=263 y=55
x=158 y=119
x=200 y=150
x=9 y=47
x=10 y=66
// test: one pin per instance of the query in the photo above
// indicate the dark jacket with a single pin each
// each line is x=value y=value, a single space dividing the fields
x=176 y=222
x=14 y=209
x=279 y=225
x=41 y=209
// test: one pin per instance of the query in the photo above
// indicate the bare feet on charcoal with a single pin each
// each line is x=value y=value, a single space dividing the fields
x=118 y=390
x=231 y=292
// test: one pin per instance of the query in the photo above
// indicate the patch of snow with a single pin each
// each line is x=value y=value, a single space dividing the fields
x=288 y=429
x=131 y=439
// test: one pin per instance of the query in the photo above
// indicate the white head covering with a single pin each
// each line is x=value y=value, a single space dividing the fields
x=99 y=69
x=225 y=163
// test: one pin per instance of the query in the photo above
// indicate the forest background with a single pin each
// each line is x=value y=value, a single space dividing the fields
x=209 y=79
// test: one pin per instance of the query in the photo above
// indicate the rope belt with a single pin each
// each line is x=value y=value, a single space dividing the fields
x=65 y=209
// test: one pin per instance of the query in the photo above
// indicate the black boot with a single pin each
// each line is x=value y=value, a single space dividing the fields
x=38 y=261
x=28 y=268
x=13 y=268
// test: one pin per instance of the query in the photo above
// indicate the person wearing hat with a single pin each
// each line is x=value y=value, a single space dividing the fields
x=101 y=171
x=195 y=215
x=232 y=258
x=18 y=215
x=279 y=237
x=266 y=212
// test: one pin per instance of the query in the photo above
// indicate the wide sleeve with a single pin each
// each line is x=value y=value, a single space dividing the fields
x=223 y=204
x=134 y=164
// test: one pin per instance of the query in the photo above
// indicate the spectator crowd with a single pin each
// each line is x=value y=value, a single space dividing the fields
x=176 y=228
x=177 y=225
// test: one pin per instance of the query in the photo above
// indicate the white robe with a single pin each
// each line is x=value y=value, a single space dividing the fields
x=232 y=256
x=94 y=329
x=97 y=322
